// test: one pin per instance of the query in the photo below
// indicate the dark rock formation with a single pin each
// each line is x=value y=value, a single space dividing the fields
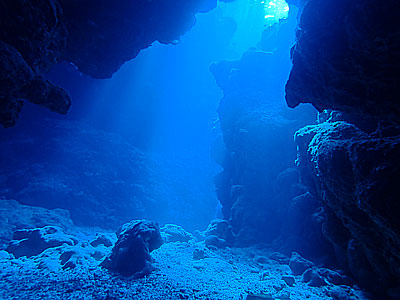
x=131 y=254
x=347 y=57
x=355 y=174
x=299 y=264
x=96 y=36
x=302 y=230
x=30 y=242
x=32 y=38
x=102 y=35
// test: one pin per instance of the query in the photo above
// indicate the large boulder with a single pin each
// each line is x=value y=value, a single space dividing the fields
x=131 y=254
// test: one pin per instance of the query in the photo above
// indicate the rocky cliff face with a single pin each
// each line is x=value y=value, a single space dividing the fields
x=96 y=36
x=256 y=148
x=354 y=174
x=347 y=58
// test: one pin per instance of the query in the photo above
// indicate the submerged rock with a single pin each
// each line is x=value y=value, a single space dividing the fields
x=101 y=239
x=214 y=241
x=131 y=254
x=355 y=175
x=299 y=264
x=222 y=229
x=175 y=233
x=30 y=242
x=16 y=216
x=347 y=57
x=289 y=280
x=98 y=37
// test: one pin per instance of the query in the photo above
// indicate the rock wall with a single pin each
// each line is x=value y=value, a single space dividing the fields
x=96 y=36
x=354 y=174
x=346 y=58
x=256 y=146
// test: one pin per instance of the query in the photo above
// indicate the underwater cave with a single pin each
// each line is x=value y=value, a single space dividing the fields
x=200 y=149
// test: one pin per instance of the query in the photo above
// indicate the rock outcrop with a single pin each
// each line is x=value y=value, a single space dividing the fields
x=131 y=254
x=355 y=174
x=347 y=57
x=30 y=242
x=15 y=216
x=96 y=36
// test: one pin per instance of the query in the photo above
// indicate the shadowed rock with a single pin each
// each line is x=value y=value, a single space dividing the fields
x=131 y=254
x=347 y=57
x=30 y=242
x=355 y=174
x=96 y=36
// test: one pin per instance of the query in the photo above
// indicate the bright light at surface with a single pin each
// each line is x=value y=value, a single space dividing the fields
x=276 y=9
x=252 y=17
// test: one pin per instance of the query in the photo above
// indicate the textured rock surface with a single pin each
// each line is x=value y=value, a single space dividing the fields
x=222 y=229
x=96 y=36
x=174 y=233
x=299 y=264
x=355 y=175
x=30 y=242
x=347 y=57
x=302 y=231
x=103 y=35
x=224 y=274
x=32 y=37
x=131 y=254
x=15 y=216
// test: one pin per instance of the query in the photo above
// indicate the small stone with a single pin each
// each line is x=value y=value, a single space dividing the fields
x=261 y=260
x=175 y=233
x=101 y=240
x=254 y=270
x=335 y=277
x=213 y=240
x=317 y=280
x=288 y=279
x=299 y=264
x=198 y=254
x=280 y=258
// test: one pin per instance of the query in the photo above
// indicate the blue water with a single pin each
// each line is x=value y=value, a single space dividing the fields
x=183 y=134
